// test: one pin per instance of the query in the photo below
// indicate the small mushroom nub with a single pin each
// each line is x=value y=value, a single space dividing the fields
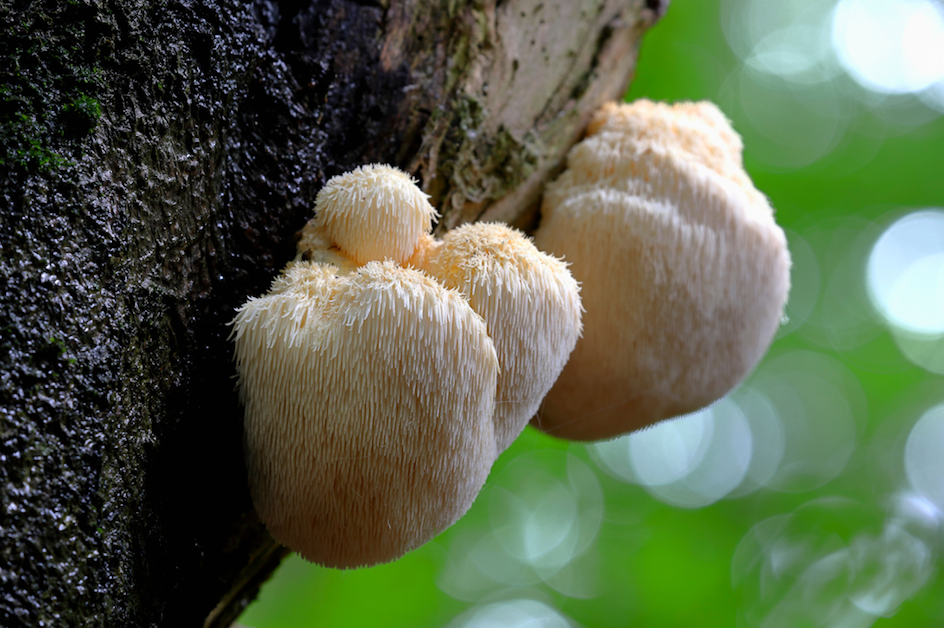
x=373 y=212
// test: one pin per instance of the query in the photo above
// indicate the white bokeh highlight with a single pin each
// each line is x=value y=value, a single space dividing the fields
x=671 y=450
x=691 y=461
x=542 y=515
x=793 y=426
x=924 y=456
x=890 y=46
x=791 y=40
x=820 y=406
x=906 y=273
x=521 y=613
x=810 y=69
x=905 y=276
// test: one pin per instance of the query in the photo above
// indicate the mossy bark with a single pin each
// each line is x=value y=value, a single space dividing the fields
x=156 y=161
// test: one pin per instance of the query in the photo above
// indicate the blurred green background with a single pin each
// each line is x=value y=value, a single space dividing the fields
x=812 y=495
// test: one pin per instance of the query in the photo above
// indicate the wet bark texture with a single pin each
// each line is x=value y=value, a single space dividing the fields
x=157 y=159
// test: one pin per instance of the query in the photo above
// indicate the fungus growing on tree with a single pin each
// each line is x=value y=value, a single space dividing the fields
x=369 y=398
x=374 y=212
x=369 y=386
x=684 y=272
x=530 y=303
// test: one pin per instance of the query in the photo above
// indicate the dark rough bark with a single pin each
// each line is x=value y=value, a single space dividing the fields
x=156 y=161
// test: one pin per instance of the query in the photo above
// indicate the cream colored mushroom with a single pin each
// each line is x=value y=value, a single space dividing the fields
x=530 y=303
x=368 y=409
x=529 y=300
x=373 y=212
x=684 y=272
x=370 y=387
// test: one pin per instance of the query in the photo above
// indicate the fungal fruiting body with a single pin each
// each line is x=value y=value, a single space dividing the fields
x=530 y=303
x=684 y=272
x=372 y=386
x=368 y=399
x=373 y=213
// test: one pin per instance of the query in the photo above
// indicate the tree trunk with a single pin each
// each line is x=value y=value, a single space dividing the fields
x=156 y=162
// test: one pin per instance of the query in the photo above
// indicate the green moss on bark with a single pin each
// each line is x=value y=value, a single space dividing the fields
x=51 y=81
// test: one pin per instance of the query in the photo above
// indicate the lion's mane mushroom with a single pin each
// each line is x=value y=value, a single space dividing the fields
x=368 y=398
x=684 y=272
x=370 y=387
x=373 y=212
x=530 y=303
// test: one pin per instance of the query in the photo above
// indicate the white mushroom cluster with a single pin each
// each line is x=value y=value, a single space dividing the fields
x=385 y=370
x=684 y=272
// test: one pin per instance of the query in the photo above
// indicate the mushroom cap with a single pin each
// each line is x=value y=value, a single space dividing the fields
x=374 y=212
x=684 y=272
x=698 y=129
x=368 y=400
x=531 y=306
x=693 y=133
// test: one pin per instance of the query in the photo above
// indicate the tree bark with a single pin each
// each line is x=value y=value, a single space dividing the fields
x=156 y=162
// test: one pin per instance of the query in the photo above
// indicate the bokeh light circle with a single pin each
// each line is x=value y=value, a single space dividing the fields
x=791 y=40
x=537 y=520
x=924 y=456
x=820 y=405
x=767 y=439
x=691 y=461
x=905 y=276
x=890 y=46
x=906 y=273
x=669 y=451
x=553 y=521
x=522 y=613
x=785 y=125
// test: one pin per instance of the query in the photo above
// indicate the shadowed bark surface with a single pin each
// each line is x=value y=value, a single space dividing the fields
x=156 y=161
